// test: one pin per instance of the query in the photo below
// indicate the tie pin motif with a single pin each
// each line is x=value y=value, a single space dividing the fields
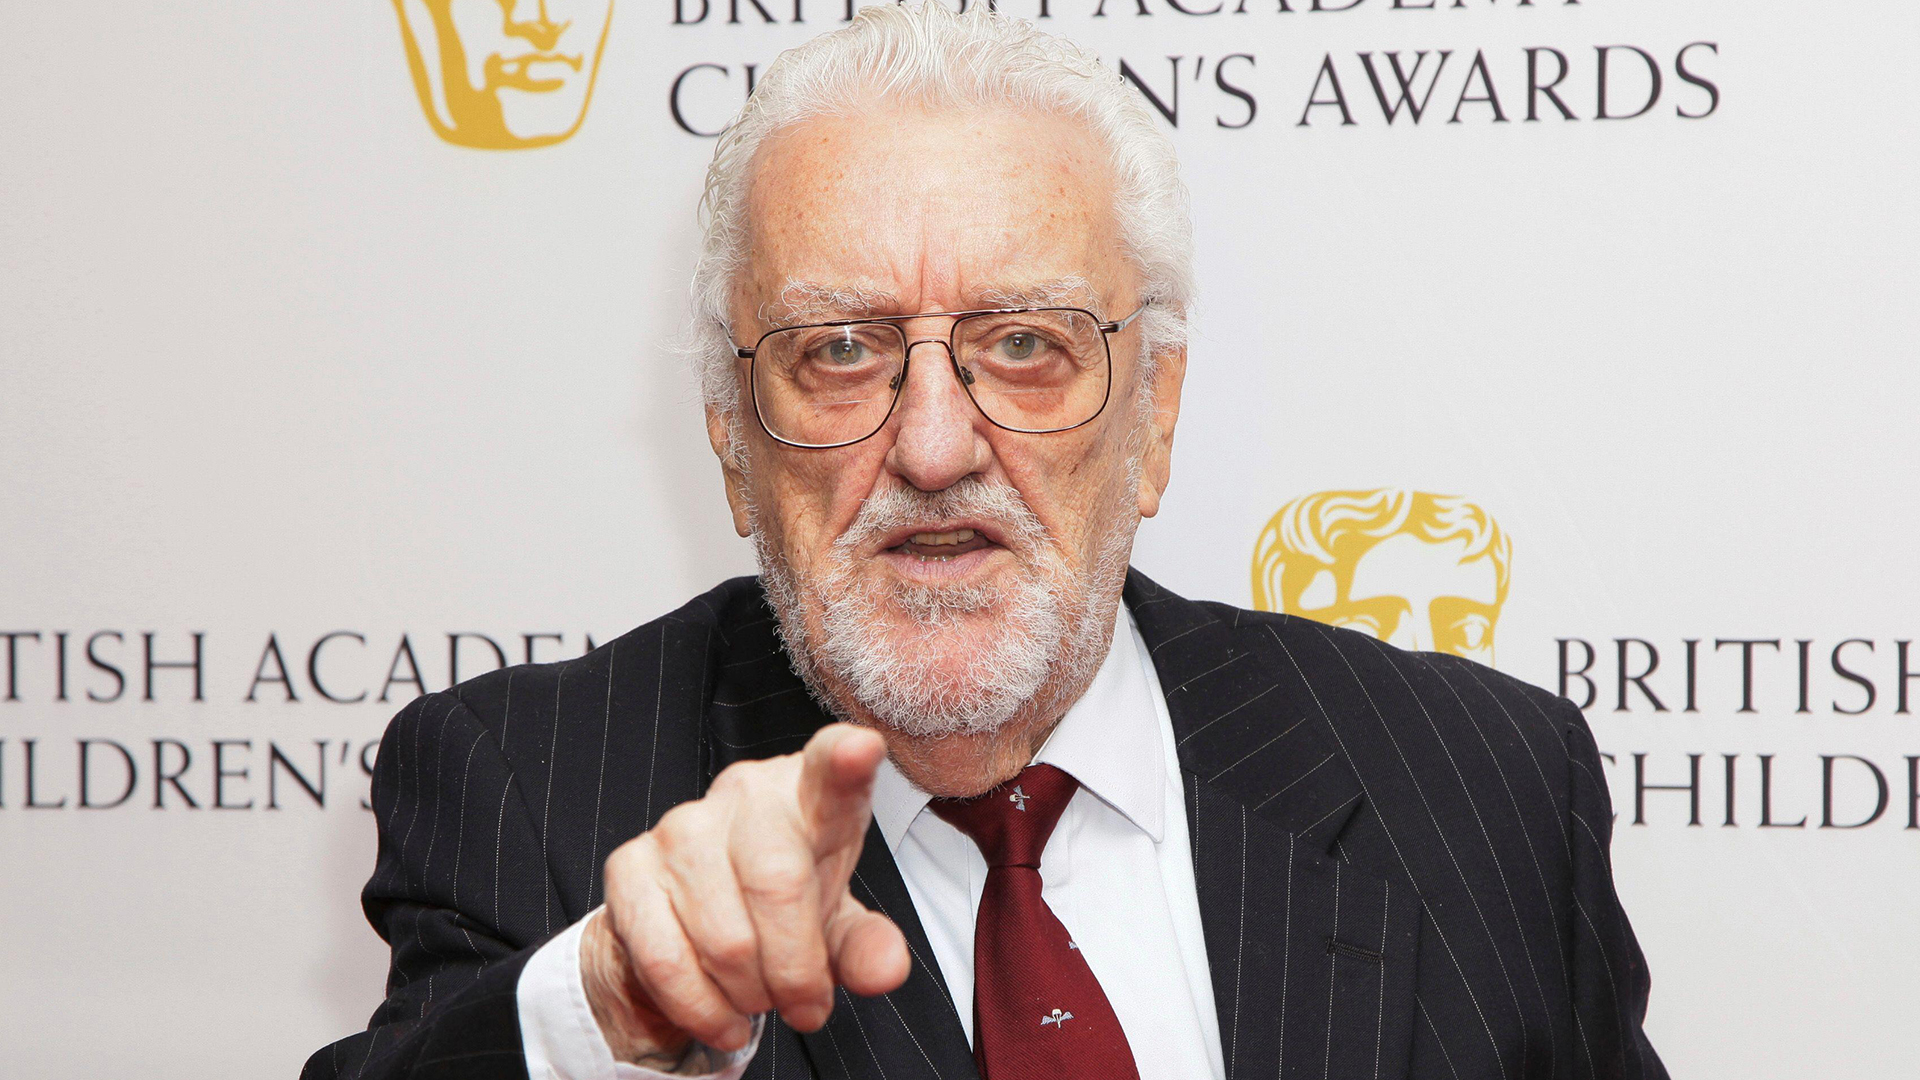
x=1019 y=800
x=1056 y=1018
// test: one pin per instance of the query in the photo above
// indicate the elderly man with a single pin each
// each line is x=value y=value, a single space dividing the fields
x=1068 y=824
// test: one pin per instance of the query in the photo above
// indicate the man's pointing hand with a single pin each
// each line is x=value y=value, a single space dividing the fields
x=737 y=903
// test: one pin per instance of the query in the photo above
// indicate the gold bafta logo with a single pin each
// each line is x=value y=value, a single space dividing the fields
x=504 y=74
x=1419 y=570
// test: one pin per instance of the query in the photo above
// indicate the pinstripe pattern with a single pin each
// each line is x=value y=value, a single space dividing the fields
x=1400 y=859
x=1439 y=814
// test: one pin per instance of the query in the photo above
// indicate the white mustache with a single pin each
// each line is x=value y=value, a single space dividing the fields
x=899 y=507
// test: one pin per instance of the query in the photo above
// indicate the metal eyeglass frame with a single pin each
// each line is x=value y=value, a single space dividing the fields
x=1107 y=330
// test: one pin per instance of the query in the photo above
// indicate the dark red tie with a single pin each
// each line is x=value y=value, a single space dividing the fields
x=1038 y=1012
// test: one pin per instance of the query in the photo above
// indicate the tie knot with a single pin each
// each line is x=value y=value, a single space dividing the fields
x=1010 y=824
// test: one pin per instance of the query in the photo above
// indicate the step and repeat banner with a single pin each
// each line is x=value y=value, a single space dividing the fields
x=335 y=366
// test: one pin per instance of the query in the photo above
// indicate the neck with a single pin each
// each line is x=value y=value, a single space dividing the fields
x=962 y=766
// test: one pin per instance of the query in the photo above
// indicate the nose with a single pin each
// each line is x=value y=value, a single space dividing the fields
x=939 y=437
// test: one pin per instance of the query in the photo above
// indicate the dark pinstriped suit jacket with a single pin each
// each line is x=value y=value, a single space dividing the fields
x=1401 y=858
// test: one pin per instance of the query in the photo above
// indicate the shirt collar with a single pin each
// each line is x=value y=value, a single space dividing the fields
x=1109 y=741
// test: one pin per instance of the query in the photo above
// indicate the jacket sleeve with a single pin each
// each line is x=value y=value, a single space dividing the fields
x=1609 y=974
x=462 y=895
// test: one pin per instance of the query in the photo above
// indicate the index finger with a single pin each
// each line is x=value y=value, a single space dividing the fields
x=836 y=785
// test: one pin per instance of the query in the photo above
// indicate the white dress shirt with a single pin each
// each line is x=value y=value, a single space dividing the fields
x=1117 y=872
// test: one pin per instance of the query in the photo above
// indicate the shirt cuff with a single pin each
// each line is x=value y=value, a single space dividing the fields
x=562 y=1040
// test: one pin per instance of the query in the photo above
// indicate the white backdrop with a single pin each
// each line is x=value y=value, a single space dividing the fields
x=279 y=361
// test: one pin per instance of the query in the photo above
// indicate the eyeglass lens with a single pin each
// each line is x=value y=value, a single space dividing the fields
x=1036 y=371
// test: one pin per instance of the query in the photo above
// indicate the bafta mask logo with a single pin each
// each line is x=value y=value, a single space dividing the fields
x=1421 y=571
x=504 y=74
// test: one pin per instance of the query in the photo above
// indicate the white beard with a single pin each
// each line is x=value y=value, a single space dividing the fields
x=1051 y=625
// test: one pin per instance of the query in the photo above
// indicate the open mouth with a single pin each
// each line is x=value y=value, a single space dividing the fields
x=940 y=545
x=951 y=544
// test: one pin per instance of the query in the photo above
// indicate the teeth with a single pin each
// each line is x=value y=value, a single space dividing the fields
x=959 y=536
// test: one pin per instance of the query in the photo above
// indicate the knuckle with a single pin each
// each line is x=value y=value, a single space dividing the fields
x=627 y=858
x=617 y=922
x=732 y=952
x=671 y=827
x=779 y=882
x=616 y=864
x=734 y=778
x=658 y=963
x=616 y=895
x=681 y=836
x=705 y=1019
x=795 y=986
x=810 y=1014
x=687 y=817
x=749 y=997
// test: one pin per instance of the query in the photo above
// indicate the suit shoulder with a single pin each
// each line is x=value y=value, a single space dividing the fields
x=1542 y=716
x=1522 y=727
x=504 y=696
x=1540 y=707
x=1359 y=674
x=1305 y=640
x=1288 y=640
x=1370 y=658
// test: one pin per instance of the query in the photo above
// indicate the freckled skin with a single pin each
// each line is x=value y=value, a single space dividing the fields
x=932 y=208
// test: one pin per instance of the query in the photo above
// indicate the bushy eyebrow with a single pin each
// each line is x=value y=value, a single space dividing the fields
x=812 y=301
x=1071 y=291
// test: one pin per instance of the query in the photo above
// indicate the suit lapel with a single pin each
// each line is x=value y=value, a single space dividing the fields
x=912 y=1032
x=759 y=708
x=1312 y=959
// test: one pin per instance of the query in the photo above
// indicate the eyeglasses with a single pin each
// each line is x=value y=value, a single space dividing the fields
x=1031 y=370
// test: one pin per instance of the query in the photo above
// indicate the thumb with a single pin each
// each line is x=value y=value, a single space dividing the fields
x=836 y=786
x=868 y=952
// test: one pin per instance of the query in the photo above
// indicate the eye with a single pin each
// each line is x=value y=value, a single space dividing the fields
x=1019 y=346
x=843 y=352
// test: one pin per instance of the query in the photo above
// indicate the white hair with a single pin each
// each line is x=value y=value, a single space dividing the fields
x=980 y=59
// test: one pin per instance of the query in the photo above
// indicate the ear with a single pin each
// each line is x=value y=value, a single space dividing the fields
x=720 y=434
x=1156 y=463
